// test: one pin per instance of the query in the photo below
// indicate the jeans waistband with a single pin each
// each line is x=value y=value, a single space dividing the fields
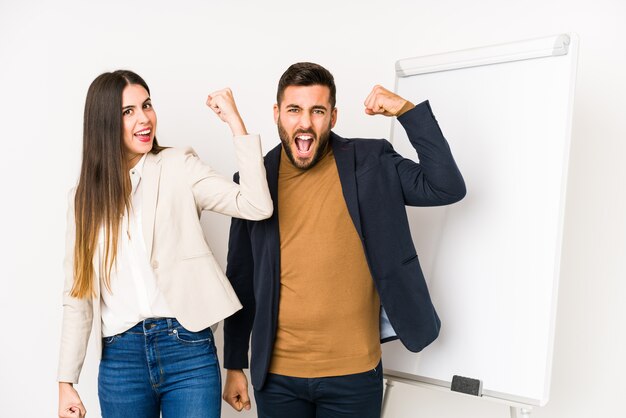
x=154 y=325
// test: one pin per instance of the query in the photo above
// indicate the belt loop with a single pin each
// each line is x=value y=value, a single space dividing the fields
x=169 y=324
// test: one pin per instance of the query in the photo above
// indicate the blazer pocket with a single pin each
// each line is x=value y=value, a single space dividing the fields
x=203 y=253
x=409 y=259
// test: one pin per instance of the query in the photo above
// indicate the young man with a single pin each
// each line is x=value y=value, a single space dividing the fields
x=334 y=271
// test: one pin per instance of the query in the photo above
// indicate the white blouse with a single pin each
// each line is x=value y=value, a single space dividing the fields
x=134 y=294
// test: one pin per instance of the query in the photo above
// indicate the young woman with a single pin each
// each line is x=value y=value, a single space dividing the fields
x=138 y=269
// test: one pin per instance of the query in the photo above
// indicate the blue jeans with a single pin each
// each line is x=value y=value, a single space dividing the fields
x=158 y=366
x=354 y=395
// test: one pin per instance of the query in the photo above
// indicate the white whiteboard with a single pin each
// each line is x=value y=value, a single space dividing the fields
x=492 y=260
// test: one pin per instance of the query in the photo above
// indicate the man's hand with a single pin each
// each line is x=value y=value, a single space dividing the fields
x=223 y=104
x=383 y=102
x=70 y=405
x=236 y=390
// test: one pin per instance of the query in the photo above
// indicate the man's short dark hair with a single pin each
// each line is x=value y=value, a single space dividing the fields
x=306 y=74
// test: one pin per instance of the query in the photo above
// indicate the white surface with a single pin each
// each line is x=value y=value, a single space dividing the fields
x=50 y=51
x=492 y=260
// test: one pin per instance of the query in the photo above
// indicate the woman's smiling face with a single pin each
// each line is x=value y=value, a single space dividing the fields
x=139 y=122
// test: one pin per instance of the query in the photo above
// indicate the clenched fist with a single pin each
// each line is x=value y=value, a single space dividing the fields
x=223 y=104
x=383 y=102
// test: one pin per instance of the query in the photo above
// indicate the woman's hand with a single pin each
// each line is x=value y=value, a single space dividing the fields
x=70 y=405
x=223 y=104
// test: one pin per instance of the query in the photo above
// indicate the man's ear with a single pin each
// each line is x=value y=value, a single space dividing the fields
x=276 y=113
x=333 y=118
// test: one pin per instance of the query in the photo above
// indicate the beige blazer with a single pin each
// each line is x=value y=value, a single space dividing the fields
x=177 y=187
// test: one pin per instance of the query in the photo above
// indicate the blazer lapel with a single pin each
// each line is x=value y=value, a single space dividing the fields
x=150 y=185
x=345 y=160
x=272 y=163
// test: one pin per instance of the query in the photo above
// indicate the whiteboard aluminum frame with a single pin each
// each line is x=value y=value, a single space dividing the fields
x=550 y=46
x=516 y=51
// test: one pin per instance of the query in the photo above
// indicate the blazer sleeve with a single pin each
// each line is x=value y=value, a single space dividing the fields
x=77 y=313
x=249 y=200
x=436 y=179
x=240 y=272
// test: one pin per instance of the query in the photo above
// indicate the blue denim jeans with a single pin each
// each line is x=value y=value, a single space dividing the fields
x=351 y=396
x=158 y=366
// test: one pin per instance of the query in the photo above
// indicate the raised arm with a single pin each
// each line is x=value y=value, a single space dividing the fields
x=436 y=179
x=212 y=191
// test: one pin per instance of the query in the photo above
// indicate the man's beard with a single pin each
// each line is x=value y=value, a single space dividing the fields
x=319 y=152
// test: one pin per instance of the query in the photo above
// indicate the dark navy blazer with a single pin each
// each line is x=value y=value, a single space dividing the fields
x=377 y=183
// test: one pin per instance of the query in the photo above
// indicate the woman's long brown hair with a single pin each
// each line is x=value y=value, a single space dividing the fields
x=103 y=192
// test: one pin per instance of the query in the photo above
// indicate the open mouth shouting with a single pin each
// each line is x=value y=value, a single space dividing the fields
x=304 y=145
x=143 y=135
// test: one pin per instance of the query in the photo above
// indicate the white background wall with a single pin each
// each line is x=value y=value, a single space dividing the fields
x=51 y=51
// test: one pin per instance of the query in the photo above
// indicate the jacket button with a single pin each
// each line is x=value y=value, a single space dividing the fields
x=155 y=264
